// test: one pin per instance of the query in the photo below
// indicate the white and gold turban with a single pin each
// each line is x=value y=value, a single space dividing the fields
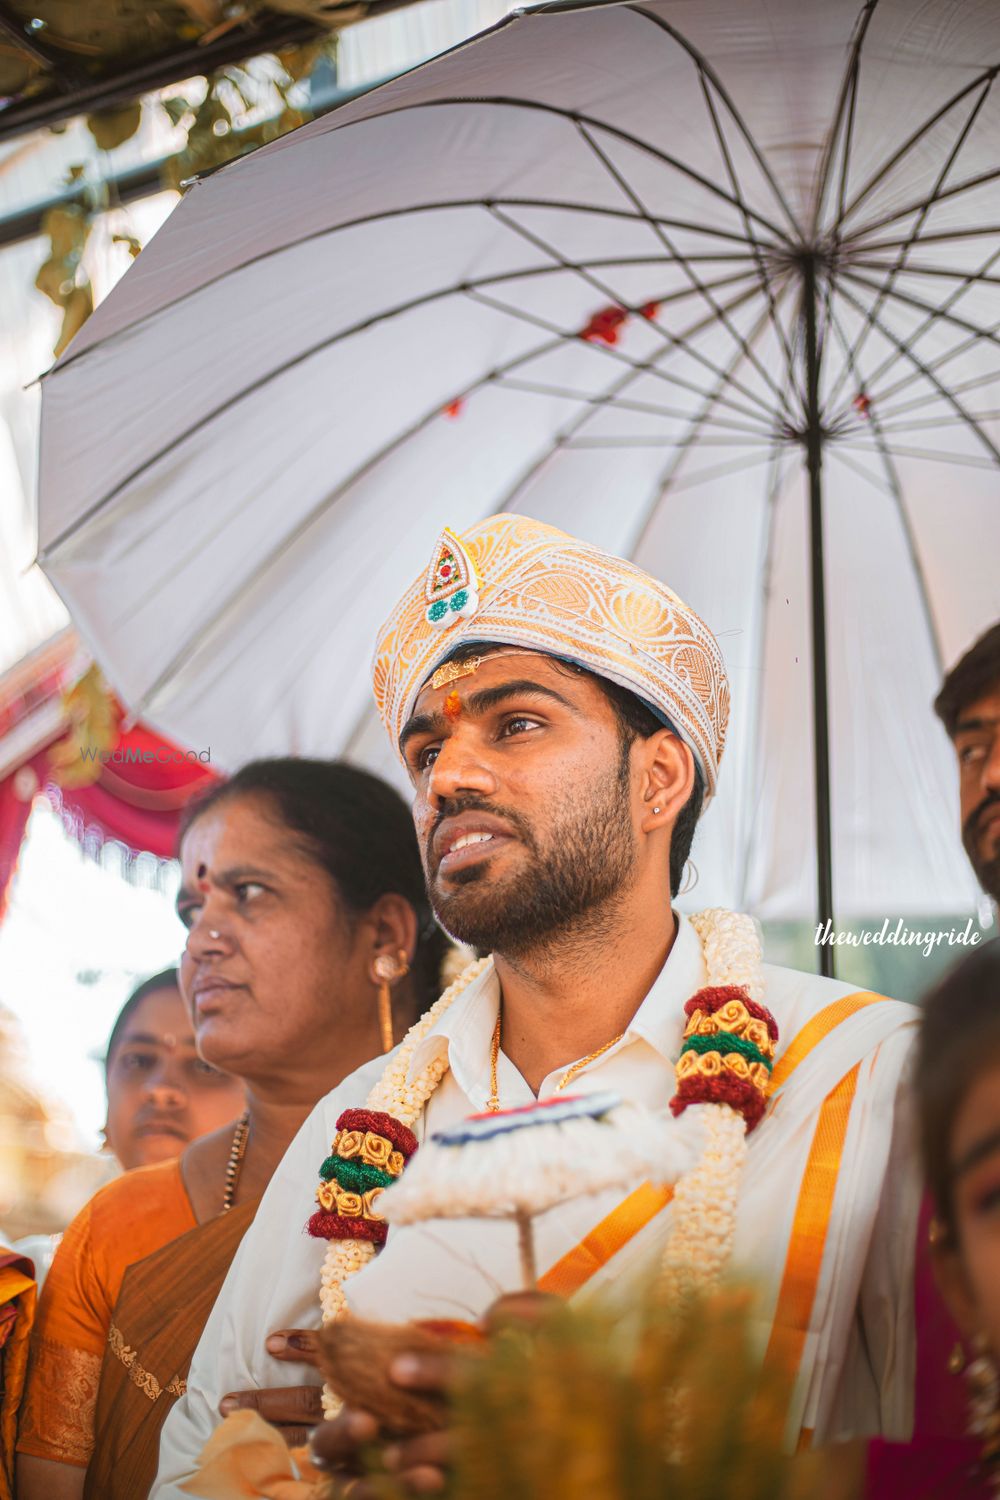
x=516 y=581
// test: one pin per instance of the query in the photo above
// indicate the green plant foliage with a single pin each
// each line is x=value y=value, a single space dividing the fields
x=645 y=1406
x=61 y=277
x=112 y=127
x=214 y=134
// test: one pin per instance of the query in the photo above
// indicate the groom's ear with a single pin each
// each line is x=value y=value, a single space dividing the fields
x=667 y=779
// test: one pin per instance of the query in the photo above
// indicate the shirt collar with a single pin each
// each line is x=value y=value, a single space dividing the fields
x=660 y=1019
x=465 y=1031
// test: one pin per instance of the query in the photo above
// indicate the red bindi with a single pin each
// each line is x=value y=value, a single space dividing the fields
x=453 y=706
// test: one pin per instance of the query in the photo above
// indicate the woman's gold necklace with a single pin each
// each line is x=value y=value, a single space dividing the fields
x=493 y=1103
x=235 y=1161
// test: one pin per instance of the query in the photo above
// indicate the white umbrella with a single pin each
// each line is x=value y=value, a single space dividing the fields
x=716 y=286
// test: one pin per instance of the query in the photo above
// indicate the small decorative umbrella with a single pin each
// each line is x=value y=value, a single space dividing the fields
x=517 y=1163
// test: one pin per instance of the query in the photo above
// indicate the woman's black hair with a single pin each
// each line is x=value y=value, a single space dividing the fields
x=165 y=980
x=356 y=828
x=959 y=1037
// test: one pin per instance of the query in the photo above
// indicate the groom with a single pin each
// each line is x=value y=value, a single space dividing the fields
x=561 y=716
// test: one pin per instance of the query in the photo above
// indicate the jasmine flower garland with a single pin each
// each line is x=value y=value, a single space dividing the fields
x=723 y=1071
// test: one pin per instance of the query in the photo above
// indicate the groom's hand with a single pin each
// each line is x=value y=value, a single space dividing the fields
x=419 y=1463
x=293 y=1409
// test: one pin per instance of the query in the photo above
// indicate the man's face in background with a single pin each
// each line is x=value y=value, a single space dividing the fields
x=977 y=744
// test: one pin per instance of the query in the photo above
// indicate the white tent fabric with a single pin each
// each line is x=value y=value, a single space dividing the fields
x=372 y=328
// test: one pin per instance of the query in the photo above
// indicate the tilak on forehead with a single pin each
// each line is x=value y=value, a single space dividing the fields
x=453 y=671
x=517 y=583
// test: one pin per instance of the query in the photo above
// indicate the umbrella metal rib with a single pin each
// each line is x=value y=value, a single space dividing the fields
x=720 y=316
x=967 y=281
x=690 y=481
x=316 y=513
x=871 y=317
x=847 y=100
x=943 y=271
x=929 y=375
x=779 y=468
x=896 y=491
x=755 y=244
x=605 y=290
x=932 y=455
x=626 y=441
x=446 y=204
x=922 y=426
x=967 y=185
x=650 y=367
x=709 y=80
x=232 y=601
x=667 y=479
x=935 y=315
x=517 y=489
x=649 y=408
x=907 y=381
x=863 y=471
x=578 y=117
x=914 y=140
x=951 y=236
x=706 y=71
x=409 y=305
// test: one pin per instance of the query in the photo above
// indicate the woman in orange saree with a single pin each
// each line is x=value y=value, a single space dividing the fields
x=297 y=877
x=161 y=1310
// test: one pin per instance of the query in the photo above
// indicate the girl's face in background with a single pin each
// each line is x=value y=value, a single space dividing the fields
x=970 y=1272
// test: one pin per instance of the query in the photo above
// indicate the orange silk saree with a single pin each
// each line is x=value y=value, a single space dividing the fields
x=17 y=1310
x=161 y=1310
x=124 y=1222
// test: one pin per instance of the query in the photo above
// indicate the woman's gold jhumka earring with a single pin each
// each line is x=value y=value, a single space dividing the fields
x=983 y=1392
x=387 y=970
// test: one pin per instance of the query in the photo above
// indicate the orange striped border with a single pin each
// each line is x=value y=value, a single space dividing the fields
x=578 y=1265
x=816 y=1031
x=625 y=1221
x=807 y=1243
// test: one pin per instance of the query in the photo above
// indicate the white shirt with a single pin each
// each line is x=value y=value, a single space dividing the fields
x=861 y=1345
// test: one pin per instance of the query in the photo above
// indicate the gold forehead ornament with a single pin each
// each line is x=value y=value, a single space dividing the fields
x=451 y=671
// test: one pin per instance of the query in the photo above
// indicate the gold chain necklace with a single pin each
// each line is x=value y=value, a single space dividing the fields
x=493 y=1103
x=240 y=1135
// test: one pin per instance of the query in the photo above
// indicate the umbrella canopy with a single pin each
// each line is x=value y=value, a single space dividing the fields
x=715 y=286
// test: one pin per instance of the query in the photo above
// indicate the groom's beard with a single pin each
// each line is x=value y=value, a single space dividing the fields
x=561 y=881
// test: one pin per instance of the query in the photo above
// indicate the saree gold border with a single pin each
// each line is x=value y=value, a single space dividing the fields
x=807 y=1243
x=141 y=1378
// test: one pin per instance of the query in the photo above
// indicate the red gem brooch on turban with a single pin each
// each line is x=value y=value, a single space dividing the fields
x=451 y=584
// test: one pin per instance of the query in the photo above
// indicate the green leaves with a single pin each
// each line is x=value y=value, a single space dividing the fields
x=232 y=118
